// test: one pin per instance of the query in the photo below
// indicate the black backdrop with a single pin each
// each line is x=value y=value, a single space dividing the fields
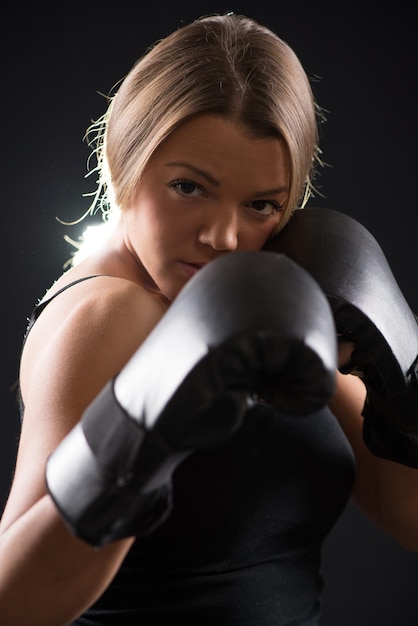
x=55 y=63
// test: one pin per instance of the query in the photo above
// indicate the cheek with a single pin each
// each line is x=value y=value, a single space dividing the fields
x=254 y=238
x=154 y=227
x=143 y=216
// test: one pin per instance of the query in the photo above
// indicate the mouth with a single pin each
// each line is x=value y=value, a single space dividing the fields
x=190 y=269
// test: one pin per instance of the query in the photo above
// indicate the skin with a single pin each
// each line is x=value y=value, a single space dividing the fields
x=222 y=198
x=210 y=189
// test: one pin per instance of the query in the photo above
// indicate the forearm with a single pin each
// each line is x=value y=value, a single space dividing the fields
x=386 y=491
x=48 y=576
x=397 y=494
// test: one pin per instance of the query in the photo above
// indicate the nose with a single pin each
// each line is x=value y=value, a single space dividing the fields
x=220 y=229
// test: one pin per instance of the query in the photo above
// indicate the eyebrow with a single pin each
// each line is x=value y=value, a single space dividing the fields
x=216 y=183
x=195 y=169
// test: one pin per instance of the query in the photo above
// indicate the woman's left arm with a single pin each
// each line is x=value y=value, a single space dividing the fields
x=386 y=491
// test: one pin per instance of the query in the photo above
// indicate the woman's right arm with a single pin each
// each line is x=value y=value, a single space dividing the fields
x=81 y=340
x=48 y=576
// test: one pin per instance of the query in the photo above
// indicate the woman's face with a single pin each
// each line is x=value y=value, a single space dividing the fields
x=208 y=190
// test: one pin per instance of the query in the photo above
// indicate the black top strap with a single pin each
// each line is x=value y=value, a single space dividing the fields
x=37 y=310
x=41 y=306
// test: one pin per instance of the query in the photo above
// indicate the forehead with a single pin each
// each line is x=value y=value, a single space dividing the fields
x=222 y=146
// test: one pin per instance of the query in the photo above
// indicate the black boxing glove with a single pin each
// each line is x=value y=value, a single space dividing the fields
x=247 y=324
x=370 y=310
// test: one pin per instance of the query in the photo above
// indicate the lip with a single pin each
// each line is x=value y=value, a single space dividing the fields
x=190 y=269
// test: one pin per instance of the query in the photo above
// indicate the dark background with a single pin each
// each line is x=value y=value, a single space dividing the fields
x=363 y=60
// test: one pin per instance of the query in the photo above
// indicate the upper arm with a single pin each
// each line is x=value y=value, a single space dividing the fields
x=81 y=340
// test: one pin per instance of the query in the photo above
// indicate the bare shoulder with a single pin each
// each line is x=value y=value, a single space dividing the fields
x=81 y=340
x=88 y=330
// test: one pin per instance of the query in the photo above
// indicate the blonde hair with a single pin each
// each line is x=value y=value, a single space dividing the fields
x=227 y=65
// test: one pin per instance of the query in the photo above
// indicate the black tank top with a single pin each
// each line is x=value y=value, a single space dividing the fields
x=242 y=546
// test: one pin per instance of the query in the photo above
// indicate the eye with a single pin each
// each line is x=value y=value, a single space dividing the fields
x=266 y=207
x=186 y=187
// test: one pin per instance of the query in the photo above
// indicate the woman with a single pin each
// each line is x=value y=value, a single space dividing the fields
x=208 y=147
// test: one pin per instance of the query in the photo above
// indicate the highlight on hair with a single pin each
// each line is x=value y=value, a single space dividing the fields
x=227 y=65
